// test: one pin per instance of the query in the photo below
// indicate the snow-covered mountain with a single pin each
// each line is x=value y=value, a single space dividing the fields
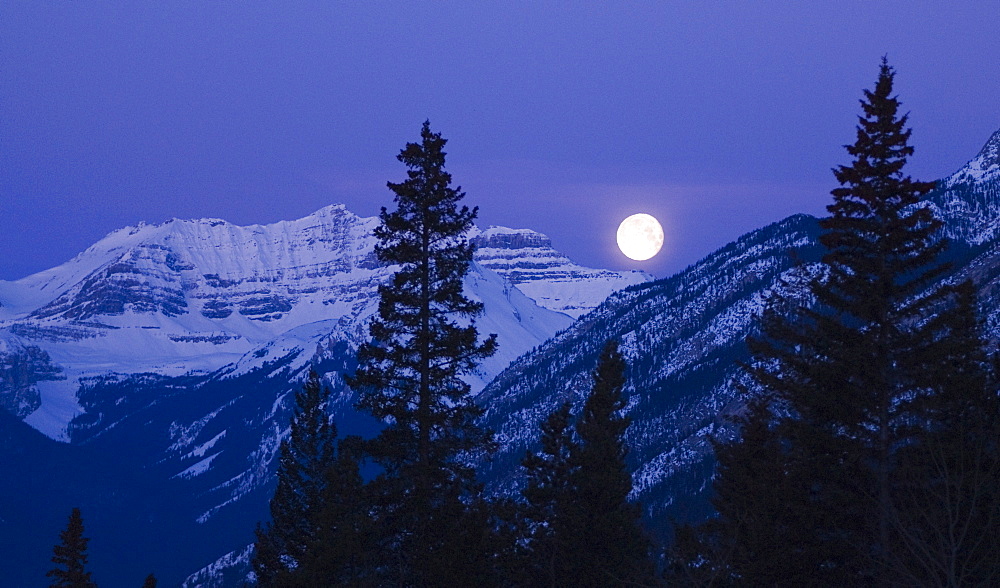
x=681 y=338
x=189 y=297
x=548 y=277
x=172 y=350
x=970 y=198
x=684 y=336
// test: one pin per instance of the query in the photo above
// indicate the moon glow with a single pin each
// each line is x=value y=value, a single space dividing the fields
x=640 y=237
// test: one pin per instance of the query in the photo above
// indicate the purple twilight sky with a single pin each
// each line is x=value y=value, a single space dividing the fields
x=563 y=117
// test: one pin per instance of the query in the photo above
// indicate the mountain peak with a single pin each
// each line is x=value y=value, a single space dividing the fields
x=527 y=259
x=983 y=167
x=506 y=238
x=969 y=200
x=990 y=153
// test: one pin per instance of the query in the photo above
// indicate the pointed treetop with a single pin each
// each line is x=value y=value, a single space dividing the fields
x=426 y=156
x=70 y=556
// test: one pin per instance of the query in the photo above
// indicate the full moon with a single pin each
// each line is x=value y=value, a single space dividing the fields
x=640 y=237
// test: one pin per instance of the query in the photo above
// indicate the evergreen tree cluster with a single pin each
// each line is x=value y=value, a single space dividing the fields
x=873 y=455
x=317 y=503
x=422 y=520
x=580 y=529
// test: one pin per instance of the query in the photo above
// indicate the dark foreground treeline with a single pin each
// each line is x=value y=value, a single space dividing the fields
x=867 y=455
x=422 y=520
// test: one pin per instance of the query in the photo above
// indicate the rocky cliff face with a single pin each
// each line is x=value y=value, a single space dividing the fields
x=22 y=368
x=548 y=277
x=189 y=297
x=212 y=269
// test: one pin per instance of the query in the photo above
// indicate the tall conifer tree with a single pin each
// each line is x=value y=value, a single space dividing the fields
x=847 y=373
x=550 y=494
x=70 y=557
x=611 y=546
x=947 y=495
x=754 y=538
x=305 y=456
x=343 y=551
x=424 y=340
x=582 y=529
x=882 y=253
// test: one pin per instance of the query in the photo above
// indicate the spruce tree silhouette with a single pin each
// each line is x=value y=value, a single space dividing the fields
x=424 y=340
x=70 y=556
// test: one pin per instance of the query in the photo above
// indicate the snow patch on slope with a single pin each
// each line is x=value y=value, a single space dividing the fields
x=59 y=407
x=199 y=468
x=213 y=575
